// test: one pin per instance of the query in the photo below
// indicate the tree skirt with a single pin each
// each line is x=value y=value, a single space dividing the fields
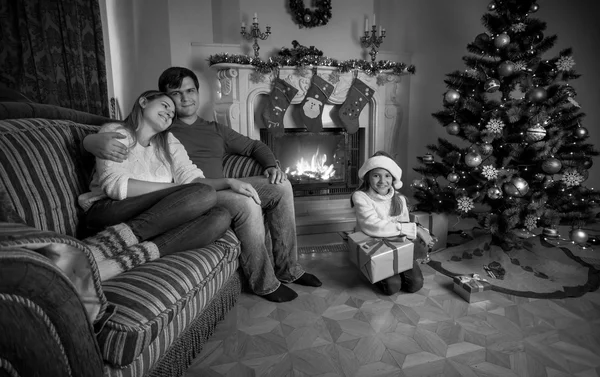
x=540 y=269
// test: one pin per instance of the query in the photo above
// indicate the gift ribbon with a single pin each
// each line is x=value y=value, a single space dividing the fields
x=475 y=280
x=376 y=244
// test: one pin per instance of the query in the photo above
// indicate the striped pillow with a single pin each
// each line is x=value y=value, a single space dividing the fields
x=238 y=166
x=43 y=169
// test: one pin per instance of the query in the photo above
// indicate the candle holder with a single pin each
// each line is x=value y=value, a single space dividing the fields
x=255 y=34
x=372 y=41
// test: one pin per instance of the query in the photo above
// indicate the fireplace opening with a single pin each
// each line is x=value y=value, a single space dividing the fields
x=317 y=163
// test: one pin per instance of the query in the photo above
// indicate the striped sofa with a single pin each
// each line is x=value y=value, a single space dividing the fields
x=56 y=318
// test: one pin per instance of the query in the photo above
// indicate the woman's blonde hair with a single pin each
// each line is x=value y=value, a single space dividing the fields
x=134 y=119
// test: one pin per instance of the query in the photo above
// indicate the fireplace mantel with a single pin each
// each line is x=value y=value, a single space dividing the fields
x=240 y=85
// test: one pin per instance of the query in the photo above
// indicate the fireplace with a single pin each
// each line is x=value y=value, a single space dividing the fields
x=317 y=163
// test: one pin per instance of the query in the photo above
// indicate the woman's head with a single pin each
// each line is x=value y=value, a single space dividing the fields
x=380 y=173
x=153 y=109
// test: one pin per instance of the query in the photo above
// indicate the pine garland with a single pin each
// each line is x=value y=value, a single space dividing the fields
x=311 y=18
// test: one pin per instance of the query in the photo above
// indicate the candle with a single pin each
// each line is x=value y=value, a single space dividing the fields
x=255 y=18
x=374 y=23
x=243 y=25
x=383 y=32
x=366 y=23
x=380 y=30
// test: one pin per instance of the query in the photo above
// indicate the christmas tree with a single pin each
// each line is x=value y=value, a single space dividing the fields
x=520 y=157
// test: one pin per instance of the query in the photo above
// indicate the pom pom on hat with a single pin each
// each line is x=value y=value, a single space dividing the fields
x=385 y=163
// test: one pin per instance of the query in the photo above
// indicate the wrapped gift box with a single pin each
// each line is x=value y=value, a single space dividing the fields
x=380 y=258
x=472 y=288
x=437 y=223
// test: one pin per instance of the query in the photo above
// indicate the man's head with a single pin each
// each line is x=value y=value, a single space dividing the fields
x=181 y=84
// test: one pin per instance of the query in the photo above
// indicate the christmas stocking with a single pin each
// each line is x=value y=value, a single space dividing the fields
x=279 y=100
x=312 y=106
x=359 y=95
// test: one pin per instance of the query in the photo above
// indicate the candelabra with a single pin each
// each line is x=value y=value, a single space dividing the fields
x=373 y=41
x=255 y=34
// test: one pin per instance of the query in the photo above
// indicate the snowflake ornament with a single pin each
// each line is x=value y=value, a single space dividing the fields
x=334 y=77
x=530 y=222
x=495 y=125
x=565 y=63
x=572 y=177
x=256 y=77
x=465 y=204
x=472 y=72
x=490 y=172
x=519 y=65
x=519 y=27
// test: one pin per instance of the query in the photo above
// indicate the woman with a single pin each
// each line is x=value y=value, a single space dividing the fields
x=154 y=203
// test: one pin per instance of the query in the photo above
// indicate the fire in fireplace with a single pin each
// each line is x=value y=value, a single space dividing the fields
x=317 y=163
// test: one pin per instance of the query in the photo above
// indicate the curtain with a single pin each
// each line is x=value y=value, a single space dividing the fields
x=52 y=52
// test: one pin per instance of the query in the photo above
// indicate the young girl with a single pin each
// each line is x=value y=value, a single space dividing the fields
x=381 y=211
x=152 y=204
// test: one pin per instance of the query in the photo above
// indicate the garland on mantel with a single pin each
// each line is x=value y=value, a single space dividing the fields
x=264 y=67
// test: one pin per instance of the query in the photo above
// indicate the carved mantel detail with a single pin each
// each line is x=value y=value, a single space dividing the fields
x=240 y=86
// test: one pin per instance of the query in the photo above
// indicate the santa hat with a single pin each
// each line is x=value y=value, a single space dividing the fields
x=385 y=163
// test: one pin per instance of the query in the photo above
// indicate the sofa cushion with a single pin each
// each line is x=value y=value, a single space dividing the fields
x=238 y=166
x=43 y=169
x=148 y=297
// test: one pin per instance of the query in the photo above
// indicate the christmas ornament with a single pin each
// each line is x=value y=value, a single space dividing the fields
x=473 y=159
x=279 y=100
x=537 y=95
x=548 y=181
x=552 y=165
x=518 y=27
x=486 y=149
x=418 y=183
x=534 y=8
x=495 y=125
x=550 y=232
x=492 y=6
x=580 y=132
x=490 y=172
x=530 y=222
x=359 y=95
x=506 y=68
x=428 y=158
x=494 y=192
x=565 y=63
x=451 y=96
x=501 y=40
x=491 y=85
x=571 y=177
x=535 y=133
x=587 y=164
x=578 y=235
x=453 y=128
x=312 y=105
x=465 y=204
x=453 y=177
x=516 y=187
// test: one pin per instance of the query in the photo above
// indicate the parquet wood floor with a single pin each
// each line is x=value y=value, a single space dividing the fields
x=345 y=328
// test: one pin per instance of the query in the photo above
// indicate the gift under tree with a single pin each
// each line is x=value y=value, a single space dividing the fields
x=520 y=158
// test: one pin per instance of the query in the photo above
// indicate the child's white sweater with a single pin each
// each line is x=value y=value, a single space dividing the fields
x=372 y=215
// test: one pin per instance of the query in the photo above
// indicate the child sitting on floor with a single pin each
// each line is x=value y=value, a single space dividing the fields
x=381 y=211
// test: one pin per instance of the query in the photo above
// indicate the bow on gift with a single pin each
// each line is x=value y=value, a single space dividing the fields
x=371 y=247
x=475 y=279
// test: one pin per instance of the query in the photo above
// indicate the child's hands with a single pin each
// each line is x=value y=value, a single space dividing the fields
x=426 y=237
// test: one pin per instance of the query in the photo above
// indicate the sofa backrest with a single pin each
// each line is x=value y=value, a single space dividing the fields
x=43 y=169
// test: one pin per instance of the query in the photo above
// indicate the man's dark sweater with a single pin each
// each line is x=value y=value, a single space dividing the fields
x=207 y=143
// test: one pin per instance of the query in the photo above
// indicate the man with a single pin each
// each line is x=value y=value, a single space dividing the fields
x=206 y=144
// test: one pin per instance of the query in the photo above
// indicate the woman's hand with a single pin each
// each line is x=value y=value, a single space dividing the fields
x=106 y=146
x=244 y=188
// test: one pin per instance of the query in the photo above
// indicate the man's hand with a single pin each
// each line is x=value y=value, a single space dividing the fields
x=106 y=146
x=244 y=188
x=275 y=175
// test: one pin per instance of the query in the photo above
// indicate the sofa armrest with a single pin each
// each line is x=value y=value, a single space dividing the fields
x=238 y=166
x=44 y=325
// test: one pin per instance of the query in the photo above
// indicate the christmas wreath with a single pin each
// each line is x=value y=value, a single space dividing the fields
x=311 y=18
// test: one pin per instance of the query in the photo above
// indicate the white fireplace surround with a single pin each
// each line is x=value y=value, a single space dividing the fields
x=240 y=87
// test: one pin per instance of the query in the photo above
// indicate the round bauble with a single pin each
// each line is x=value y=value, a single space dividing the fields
x=534 y=8
x=453 y=128
x=473 y=159
x=451 y=96
x=502 y=40
x=587 y=164
x=494 y=193
x=578 y=236
x=491 y=85
x=516 y=187
x=580 y=132
x=551 y=165
x=428 y=158
x=550 y=232
x=453 y=177
x=492 y=6
x=535 y=133
x=307 y=18
x=537 y=95
x=482 y=38
x=506 y=68
x=486 y=149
